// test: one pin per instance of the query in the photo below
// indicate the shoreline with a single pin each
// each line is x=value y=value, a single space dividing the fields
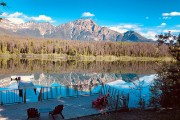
x=65 y=57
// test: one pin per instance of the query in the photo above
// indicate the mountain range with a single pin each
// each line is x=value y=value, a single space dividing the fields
x=81 y=29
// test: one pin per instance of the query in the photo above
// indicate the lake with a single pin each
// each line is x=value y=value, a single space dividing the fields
x=133 y=78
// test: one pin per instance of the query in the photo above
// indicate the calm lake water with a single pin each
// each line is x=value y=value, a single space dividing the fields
x=134 y=78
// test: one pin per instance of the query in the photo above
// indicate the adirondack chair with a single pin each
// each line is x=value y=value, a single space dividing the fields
x=57 y=110
x=33 y=113
x=100 y=101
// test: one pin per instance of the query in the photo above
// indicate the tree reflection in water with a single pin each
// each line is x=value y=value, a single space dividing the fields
x=166 y=87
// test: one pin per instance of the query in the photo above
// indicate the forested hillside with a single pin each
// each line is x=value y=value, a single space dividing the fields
x=17 y=45
x=20 y=45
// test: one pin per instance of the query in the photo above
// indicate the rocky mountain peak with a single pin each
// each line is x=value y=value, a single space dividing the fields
x=81 y=29
x=130 y=32
x=85 y=22
x=85 y=29
x=85 y=25
x=132 y=35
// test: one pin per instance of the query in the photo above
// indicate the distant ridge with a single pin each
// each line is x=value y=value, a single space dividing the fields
x=81 y=29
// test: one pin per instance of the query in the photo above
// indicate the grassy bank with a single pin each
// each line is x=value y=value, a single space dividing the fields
x=65 y=57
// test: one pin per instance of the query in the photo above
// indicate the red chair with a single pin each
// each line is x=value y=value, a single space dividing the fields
x=95 y=103
x=99 y=102
x=33 y=113
x=58 y=110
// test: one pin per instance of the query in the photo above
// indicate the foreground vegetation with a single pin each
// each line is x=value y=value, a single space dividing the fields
x=168 y=82
x=67 y=50
x=135 y=115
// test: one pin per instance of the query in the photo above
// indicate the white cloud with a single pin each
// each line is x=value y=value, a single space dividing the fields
x=149 y=34
x=163 y=24
x=117 y=29
x=87 y=14
x=16 y=20
x=166 y=18
x=125 y=27
x=42 y=18
x=172 y=31
x=19 y=17
x=129 y=26
x=171 y=14
x=15 y=15
x=4 y=14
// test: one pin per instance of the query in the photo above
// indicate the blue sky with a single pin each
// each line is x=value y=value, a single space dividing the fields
x=147 y=17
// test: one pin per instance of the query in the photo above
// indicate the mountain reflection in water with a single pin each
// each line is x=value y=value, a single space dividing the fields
x=130 y=77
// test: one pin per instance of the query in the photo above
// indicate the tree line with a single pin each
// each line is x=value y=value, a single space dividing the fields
x=20 y=45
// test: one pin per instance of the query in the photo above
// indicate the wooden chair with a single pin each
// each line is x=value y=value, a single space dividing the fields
x=33 y=113
x=100 y=101
x=57 y=110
